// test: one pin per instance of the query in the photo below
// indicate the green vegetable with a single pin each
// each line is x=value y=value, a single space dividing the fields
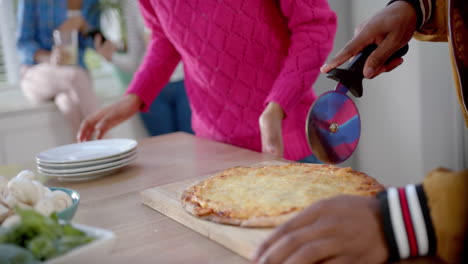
x=42 y=247
x=12 y=254
x=44 y=237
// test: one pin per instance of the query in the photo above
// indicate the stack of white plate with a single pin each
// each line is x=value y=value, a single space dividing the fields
x=87 y=160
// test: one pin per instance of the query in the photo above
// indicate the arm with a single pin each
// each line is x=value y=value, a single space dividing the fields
x=130 y=60
x=447 y=198
x=312 y=24
x=412 y=221
x=158 y=64
x=29 y=49
x=427 y=219
x=431 y=19
x=435 y=27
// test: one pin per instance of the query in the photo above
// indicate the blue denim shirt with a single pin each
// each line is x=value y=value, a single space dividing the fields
x=37 y=20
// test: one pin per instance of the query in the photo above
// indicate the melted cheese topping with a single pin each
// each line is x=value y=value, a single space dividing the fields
x=271 y=191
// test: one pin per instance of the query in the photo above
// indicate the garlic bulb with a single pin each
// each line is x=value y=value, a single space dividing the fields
x=11 y=221
x=26 y=191
x=26 y=174
x=40 y=191
x=3 y=187
x=46 y=191
x=4 y=212
x=61 y=200
x=11 y=201
x=45 y=206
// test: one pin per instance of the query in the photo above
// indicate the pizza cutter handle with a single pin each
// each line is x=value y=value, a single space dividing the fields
x=352 y=76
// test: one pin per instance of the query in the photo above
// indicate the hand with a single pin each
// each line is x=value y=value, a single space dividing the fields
x=391 y=29
x=74 y=23
x=344 y=229
x=105 y=48
x=108 y=117
x=59 y=56
x=270 y=128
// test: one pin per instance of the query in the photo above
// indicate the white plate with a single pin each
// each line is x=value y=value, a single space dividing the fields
x=87 y=168
x=85 y=175
x=76 y=165
x=92 y=252
x=87 y=151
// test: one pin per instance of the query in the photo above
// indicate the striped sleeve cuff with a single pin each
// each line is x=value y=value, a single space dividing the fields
x=423 y=10
x=407 y=222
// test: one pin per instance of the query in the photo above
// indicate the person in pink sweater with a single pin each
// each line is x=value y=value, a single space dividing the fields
x=249 y=69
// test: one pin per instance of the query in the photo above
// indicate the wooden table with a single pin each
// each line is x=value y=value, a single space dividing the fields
x=143 y=234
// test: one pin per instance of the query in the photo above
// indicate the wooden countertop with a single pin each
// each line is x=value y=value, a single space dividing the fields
x=144 y=235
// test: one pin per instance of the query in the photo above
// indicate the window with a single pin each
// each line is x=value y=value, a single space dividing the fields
x=3 y=78
x=9 y=62
x=9 y=58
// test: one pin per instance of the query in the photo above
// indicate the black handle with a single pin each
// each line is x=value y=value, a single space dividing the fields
x=352 y=75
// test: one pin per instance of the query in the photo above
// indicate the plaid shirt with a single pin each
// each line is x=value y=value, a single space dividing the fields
x=37 y=20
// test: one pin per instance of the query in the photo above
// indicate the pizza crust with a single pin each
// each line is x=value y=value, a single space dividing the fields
x=221 y=198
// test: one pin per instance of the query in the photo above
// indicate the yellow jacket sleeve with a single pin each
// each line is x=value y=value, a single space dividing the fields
x=447 y=198
x=435 y=29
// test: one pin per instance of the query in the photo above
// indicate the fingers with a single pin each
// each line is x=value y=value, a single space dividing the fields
x=88 y=126
x=378 y=57
x=388 y=67
x=314 y=252
x=306 y=245
x=353 y=47
x=103 y=126
x=91 y=127
x=272 y=141
x=86 y=130
x=306 y=217
x=341 y=260
x=270 y=123
x=108 y=117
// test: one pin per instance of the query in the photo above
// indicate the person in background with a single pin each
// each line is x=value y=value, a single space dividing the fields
x=44 y=75
x=170 y=112
x=249 y=67
x=412 y=221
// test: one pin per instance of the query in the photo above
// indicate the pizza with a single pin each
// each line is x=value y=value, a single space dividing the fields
x=268 y=196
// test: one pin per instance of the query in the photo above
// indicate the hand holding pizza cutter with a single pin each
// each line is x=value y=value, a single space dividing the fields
x=333 y=125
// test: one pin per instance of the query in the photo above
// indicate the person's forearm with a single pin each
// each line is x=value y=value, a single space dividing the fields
x=407 y=223
x=427 y=219
x=315 y=22
x=447 y=199
x=42 y=56
x=423 y=9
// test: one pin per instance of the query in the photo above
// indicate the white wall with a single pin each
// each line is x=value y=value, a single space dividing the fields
x=343 y=34
x=410 y=117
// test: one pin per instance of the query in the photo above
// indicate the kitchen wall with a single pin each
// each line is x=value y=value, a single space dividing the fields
x=343 y=34
x=411 y=119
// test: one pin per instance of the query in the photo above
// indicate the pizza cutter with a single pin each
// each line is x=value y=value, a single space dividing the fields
x=333 y=124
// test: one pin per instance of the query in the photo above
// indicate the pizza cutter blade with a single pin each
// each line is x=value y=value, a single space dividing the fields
x=333 y=125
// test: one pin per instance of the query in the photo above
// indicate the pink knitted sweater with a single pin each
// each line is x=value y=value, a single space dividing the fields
x=238 y=56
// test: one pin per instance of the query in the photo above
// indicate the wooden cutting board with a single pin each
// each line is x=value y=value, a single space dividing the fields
x=166 y=200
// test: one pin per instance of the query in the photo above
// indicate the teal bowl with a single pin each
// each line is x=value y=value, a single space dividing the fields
x=68 y=214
